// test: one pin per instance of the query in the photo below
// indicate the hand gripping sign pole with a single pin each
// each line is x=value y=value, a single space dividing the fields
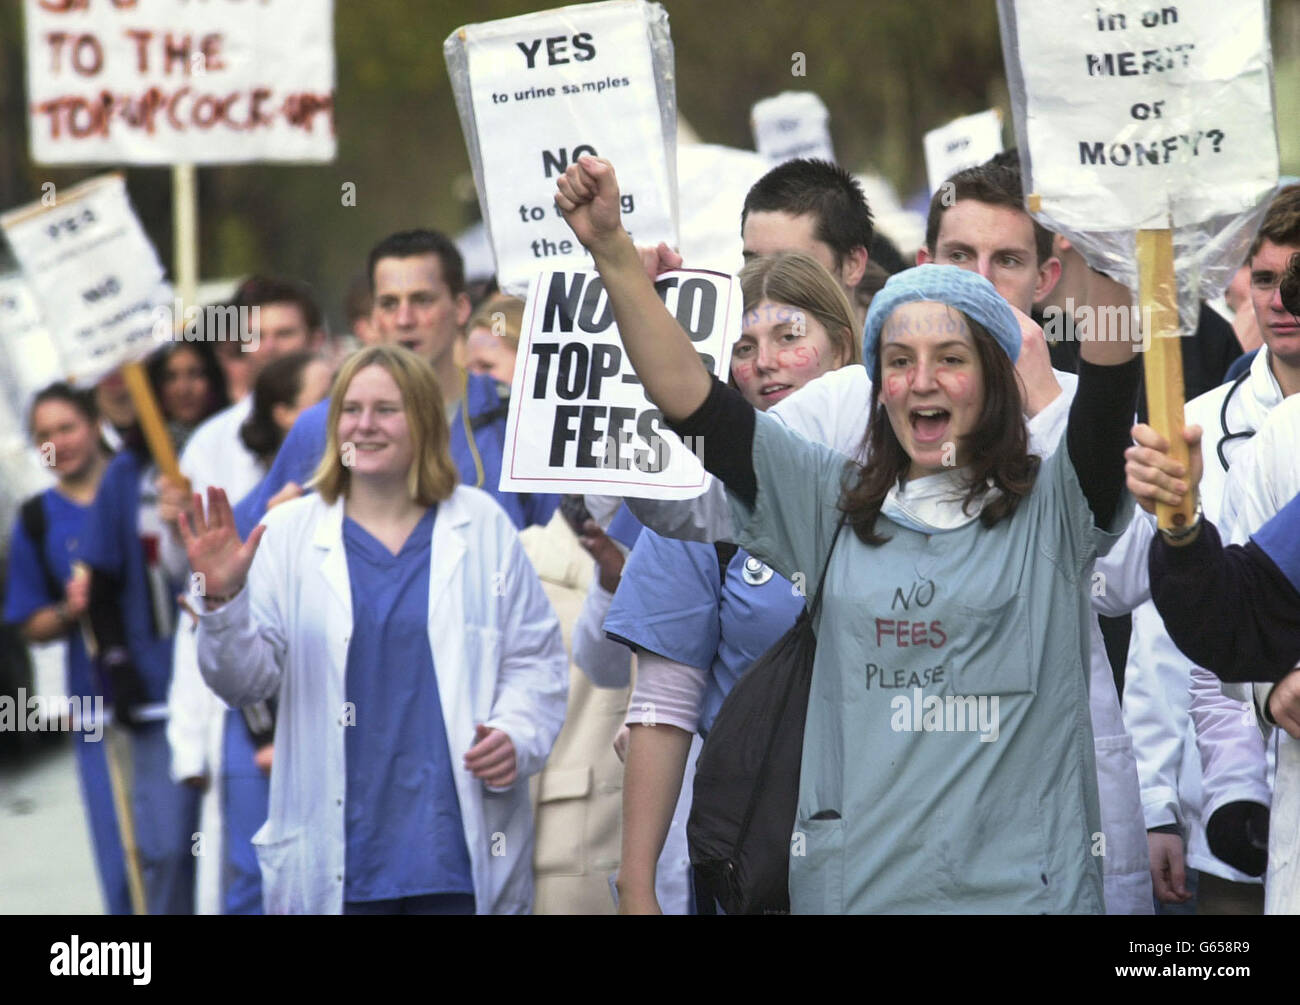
x=1163 y=365
x=1146 y=136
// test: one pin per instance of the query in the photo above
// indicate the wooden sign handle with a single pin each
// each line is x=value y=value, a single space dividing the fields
x=151 y=421
x=1158 y=299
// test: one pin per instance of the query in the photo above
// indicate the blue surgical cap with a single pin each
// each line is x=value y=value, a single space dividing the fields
x=967 y=291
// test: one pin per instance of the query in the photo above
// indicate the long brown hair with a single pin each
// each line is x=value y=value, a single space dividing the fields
x=998 y=448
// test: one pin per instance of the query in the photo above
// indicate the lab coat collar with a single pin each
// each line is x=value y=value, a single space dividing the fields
x=448 y=548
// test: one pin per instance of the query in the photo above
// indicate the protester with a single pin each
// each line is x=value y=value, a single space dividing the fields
x=814 y=207
x=1029 y=808
x=1236 y=608
x=977 y=221
x=48 y=599
x=212 y=748
x=699 y=616
x=138 y=569
x=1237 y=611
x=399 y=604
x=1179 y=800
x=492 y=338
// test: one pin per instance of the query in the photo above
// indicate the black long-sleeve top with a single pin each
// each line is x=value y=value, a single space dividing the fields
x=1232 y=610
x=1096 y=436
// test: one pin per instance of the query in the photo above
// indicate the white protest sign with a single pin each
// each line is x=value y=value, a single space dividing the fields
x=792 y=124
x=1139 y=115
x=95 y=276
x=175 y=81
x=541 y=90
x=579 y=418
x=28 y=358
x=960 y=144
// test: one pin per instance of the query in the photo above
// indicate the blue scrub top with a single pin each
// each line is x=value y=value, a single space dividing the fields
x=26 y=591
x=302 y=449
x=111 y=543
x=672 y=601
x=405 y=836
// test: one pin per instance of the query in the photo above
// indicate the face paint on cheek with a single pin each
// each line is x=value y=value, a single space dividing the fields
x=742 y=371
x=895 y=386
x=957 y=384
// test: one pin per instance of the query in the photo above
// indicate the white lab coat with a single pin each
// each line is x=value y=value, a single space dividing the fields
x=1158 y=690
x=1269 y=479
x=833 y=409
x=498 y=657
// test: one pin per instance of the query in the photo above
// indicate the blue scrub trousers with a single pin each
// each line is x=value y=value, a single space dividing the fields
x=166 y=823
x=245 y=796
x=105 y=839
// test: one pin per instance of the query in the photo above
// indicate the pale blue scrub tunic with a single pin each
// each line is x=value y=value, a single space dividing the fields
x=672 y=601
x=985 y=804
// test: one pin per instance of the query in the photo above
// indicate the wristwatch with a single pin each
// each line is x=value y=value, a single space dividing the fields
x=1177 y=535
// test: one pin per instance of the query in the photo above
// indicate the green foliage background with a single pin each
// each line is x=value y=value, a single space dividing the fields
x=889 y=70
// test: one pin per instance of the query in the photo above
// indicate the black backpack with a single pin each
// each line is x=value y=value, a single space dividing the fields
x=747 y=777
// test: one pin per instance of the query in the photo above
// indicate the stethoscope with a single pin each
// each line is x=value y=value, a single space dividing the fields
x=1223 y=420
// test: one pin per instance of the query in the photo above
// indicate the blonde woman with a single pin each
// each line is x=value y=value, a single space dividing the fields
x=420 y=670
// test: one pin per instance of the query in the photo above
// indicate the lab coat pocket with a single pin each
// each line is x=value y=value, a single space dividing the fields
x=280 y=859
x=988 y=650
x=817 y=867
x=561 y=828
x=483 y=657
x=1117 y=782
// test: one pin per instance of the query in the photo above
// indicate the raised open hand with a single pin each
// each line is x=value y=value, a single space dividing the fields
x=587 y=194
x=214 y=548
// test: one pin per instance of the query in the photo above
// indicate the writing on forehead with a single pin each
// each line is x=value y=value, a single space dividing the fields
x=938 y=321
x=773 y=314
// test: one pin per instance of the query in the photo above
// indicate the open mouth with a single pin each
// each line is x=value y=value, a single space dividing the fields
x=768 y=391
x=407 y=343
x=929 y=424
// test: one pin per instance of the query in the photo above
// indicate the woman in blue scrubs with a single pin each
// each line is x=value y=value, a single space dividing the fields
x=45 y=598
x=138 y=570
x=699 y=616
x=419 y=668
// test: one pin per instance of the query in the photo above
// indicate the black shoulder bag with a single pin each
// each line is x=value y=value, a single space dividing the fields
x=747 y=777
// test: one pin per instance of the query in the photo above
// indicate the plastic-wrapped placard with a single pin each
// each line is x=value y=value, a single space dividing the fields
x=538 y=91
x=1133 y=115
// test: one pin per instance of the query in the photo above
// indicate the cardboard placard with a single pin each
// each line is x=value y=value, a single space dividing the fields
x=175 y=81
x=792 y=124
x=962 y=143
x=94 y=274
x=579 y=417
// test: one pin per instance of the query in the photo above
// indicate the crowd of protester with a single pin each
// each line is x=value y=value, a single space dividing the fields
x=373 y=682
